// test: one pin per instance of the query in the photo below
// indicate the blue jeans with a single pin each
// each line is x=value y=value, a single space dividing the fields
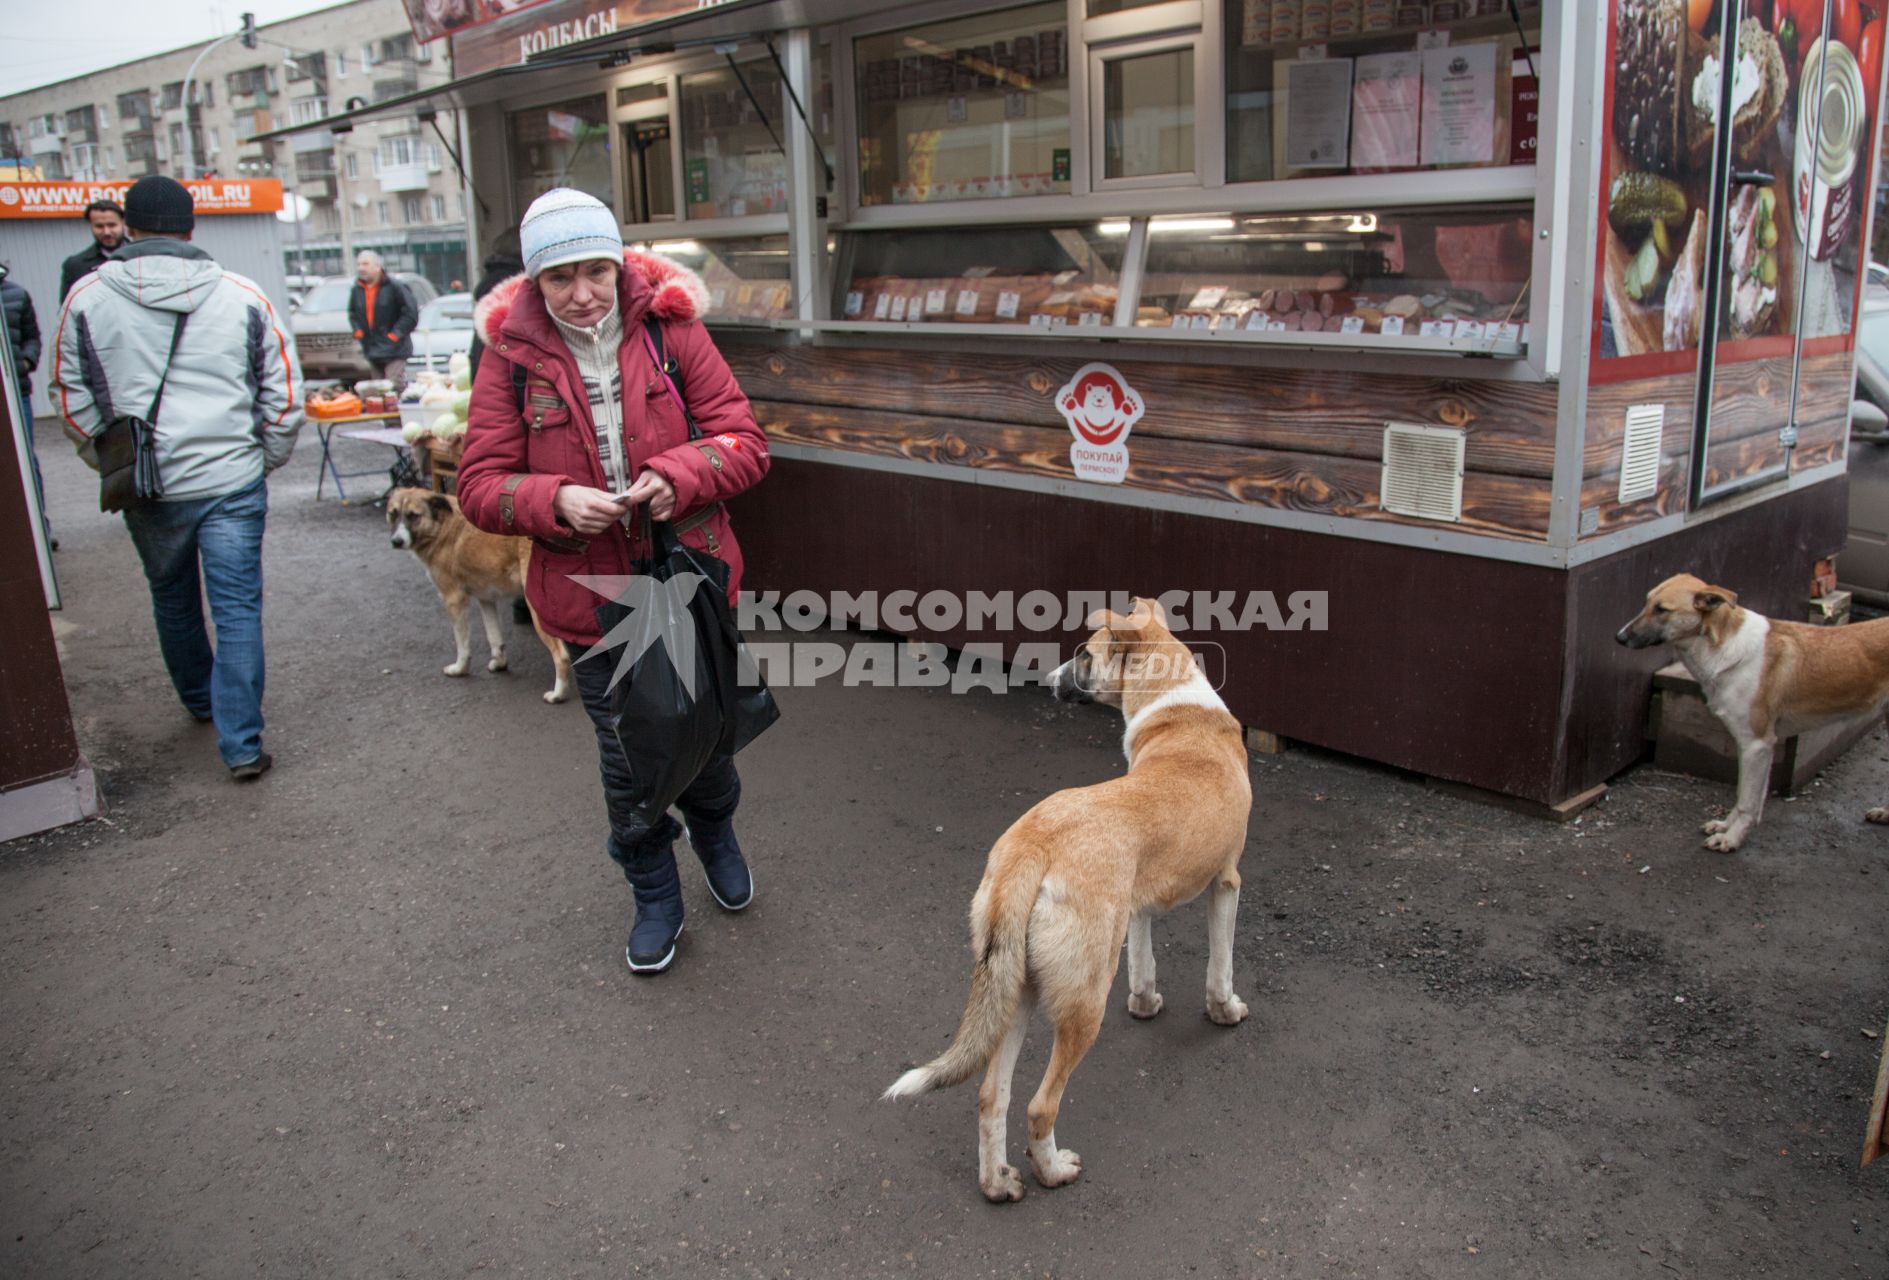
x=224 y=536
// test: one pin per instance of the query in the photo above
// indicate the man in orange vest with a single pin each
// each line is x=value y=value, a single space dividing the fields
x=384 y=316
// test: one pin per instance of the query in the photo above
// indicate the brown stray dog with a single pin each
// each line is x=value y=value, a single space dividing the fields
x=1764 y=679
x=469 y=565
x=1089 y=865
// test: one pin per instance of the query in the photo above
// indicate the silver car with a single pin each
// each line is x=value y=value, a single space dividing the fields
x=330 y=352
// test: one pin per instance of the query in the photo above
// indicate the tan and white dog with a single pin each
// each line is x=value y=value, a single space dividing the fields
x=469 y=566
x=1764 y=679
x=1089 y=865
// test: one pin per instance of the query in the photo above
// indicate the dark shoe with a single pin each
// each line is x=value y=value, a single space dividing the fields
x=52 y=544
x=727 y=872
x=521 y=613
x=250 y=770
x=201 y=717
x=651 y=870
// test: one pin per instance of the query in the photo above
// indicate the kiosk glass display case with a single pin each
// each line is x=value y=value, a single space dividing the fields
x=1046 y=275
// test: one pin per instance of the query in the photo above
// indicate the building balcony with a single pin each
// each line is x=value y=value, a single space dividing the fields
x=394 y=86
x=46 y=144
x=322 y=188
x=309 y=143
x=81 y=135
x=404 y=177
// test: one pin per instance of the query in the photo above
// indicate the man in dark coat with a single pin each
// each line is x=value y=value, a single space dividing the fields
x=384 y=316
x=23 y=335
x=107 y=221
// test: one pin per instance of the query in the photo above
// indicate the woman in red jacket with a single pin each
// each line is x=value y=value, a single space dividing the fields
x=570 y=408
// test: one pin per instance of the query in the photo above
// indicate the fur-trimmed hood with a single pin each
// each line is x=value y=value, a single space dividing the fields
x=650 y=283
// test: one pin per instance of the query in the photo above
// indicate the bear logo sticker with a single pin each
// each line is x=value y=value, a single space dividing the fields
x=1101 y=409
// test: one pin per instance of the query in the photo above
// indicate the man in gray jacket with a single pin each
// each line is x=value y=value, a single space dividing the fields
x=162 y=315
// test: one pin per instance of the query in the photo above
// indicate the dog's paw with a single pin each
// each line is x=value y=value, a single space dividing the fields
x=498 y=663
x=1062 y=1168
x=1715 y=826
x=456 y=668
x=1230 y=1012
x=1878 y=816
x=555 y=696
x=1003 y=1186
x=1725 y=842
x=1144 y=1006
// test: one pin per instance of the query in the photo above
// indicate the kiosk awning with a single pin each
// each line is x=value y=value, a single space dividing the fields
x=467 y=91
x=731 y=21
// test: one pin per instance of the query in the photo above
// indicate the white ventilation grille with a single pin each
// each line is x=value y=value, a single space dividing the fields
x=1423 y=471
x=1639 y=454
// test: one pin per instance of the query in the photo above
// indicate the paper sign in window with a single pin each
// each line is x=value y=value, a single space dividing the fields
x=1385 y=103
x=1318 y=114
x=1459 y=104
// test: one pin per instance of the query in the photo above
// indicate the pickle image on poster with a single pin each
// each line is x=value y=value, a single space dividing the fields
x=1795 y=174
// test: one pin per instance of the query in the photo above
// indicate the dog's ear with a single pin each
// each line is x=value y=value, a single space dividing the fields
x=1712 y=598
x=440 y=504
x=1106 y=618
x=1147 y=610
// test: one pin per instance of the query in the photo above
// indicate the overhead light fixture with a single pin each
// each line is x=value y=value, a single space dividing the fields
x=676 y=246
x=1169 y=226
x=1112 y=227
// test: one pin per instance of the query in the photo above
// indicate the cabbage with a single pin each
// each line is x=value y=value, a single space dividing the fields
x=462 y=405
x=412 y=431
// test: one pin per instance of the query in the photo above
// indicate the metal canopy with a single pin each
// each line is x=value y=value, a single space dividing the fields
x=727 y=22
x=467 y=91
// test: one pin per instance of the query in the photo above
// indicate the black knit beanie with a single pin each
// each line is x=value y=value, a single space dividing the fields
x=160 y=206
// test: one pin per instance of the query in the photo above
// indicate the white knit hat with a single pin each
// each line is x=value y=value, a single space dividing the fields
x=563 y=226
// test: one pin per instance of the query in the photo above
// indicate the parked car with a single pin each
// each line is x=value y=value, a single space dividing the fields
x=329 y=350
x=1863 y=567
x=298 y=288
x=445 y=327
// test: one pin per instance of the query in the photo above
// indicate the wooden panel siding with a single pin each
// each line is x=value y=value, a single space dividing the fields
x=1510 y=506
x=1510 y=424
x=1295 y=440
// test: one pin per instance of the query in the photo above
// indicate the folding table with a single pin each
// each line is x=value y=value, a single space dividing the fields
x=328 y=428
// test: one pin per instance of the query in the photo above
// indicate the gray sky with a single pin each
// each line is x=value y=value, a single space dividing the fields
x=42 y=41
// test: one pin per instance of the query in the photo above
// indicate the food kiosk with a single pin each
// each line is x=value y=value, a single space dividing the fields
x=1468 y=314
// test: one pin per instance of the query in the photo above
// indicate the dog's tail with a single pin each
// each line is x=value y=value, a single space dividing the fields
x=1000 y=922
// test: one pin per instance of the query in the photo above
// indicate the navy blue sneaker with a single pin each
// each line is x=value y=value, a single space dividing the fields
x=729 y=879
x=658 y=890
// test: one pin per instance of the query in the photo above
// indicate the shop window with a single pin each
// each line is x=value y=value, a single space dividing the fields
x=749 y=278
x=1147 y=124
x=976 y=108
x=1401 y=86
x=1043 y=276
x=637 y=94
x=1376 y=276
x=565 y=144
x=649 y=175
x=732 y=163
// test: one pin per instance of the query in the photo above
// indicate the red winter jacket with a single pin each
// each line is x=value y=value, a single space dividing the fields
x=515 y=463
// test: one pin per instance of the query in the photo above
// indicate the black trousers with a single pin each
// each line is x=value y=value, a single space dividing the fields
x=712 y=797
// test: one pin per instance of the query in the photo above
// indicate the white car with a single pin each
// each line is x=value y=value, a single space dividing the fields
x=445 y=327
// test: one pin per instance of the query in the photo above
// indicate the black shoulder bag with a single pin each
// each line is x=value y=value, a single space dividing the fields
x=127 y=448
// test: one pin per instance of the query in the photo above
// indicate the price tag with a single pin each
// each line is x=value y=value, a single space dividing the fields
x=1352 y=324
x=717 y=299
x=882 y=306
x=1446 y=328
x=744 y=295
x=1429 y=329
x=1089 y=320
x=1469 y=329
x=1007 y=304
x=1275 y=326
x=1039 y=322
x=1393 y=327
x=1178 y=322
x=898 y=307
x=855 y=303
x=1256 y=321
x=935 y=300
x=1203 y=322
x=1208 y=298
x=1508 y=334
x=967 y=302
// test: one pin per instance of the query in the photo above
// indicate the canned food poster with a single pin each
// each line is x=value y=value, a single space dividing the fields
x=1802 y=128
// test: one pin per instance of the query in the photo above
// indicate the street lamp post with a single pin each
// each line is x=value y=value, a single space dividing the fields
x=247 y=34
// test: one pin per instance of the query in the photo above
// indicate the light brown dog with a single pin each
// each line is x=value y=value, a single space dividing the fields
x=1764 y=679
x=469 y=566
x=1089 y=865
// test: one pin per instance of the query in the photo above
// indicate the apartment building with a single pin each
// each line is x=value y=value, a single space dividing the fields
x=390 y=185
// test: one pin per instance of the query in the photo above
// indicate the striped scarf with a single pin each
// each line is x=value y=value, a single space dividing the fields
x=596 y=350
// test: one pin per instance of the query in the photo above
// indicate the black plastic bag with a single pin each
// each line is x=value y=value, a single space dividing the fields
x=692 y=690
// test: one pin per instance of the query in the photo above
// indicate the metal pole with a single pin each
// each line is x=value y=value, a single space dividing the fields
x=190 y=78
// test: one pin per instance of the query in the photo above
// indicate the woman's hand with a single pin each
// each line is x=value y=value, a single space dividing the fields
x=657 y=492
x=588 y=511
